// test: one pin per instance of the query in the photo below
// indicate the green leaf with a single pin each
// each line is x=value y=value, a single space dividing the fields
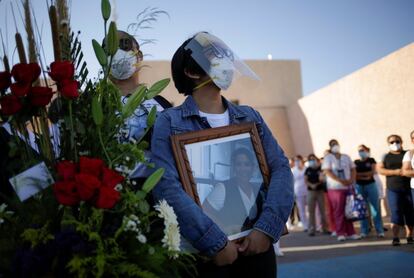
x=143 y=145
x=106 y=9
x=152 y=116
x=152 y=180
x=113 y=41
x=100 y=53
x=97 y=113
x=157 y=87
x=140 y=195
x=143 y=207
x=134 y=101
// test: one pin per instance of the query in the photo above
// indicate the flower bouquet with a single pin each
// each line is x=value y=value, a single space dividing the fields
x=69 y=207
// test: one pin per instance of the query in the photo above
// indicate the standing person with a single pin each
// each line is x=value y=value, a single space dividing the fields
x=315 y=184
x=125 y=67
x=366 y=186
x=398 y=190
x=201 y=67
x=408 y=165
x=294 y=213
x=340 y=175
x=298 y=172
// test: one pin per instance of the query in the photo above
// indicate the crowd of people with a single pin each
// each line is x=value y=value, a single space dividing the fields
x=322 y=185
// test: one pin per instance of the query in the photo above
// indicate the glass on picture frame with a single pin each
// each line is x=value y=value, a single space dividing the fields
x=225 y=171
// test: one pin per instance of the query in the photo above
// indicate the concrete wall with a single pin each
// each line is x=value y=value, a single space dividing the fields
x=363 y=107
x=280 y=86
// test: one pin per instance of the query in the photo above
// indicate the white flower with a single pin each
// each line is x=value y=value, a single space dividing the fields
x=172 y=239
x=127 y=158
x=4 y=212
x=131 y=225
x=133 y=217
x=118 y=187
x=151 y=250
x=141 y=238
x=166 y=212
x=3 y=207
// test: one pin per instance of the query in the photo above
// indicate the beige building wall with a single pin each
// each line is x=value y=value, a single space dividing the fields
x=363 y=107
x=280 y=86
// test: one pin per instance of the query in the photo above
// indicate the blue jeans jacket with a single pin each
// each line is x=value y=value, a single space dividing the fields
x=195 y=226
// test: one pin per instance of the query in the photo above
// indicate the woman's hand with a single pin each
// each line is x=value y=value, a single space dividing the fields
x=255 y=243
x=227 y=255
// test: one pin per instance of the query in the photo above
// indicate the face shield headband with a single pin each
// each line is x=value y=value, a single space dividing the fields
x=218 y=60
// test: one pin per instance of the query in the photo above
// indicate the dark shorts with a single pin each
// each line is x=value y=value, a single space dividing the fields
x=401 y=207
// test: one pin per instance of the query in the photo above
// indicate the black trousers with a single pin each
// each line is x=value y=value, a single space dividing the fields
x=261 y=266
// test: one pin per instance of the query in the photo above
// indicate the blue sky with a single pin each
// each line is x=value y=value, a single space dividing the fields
x=331 y=38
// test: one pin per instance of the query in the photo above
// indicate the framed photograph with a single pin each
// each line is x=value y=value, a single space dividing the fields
x=31 y=181
x=225 y=171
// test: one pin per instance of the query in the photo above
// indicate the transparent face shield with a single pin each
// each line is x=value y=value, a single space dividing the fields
x=217 y=59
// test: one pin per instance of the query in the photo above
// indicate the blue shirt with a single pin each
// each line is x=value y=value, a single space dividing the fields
x=195 y=226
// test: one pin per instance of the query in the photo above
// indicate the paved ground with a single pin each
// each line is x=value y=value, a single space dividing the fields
x=324 y=256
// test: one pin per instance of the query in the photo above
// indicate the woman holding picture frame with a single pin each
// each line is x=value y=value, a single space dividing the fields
x=201 y=67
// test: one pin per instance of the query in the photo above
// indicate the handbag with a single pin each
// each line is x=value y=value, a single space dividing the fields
x=355 y=206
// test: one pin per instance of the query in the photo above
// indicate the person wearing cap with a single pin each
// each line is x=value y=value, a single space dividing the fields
x=124 y=73
x=202 y=67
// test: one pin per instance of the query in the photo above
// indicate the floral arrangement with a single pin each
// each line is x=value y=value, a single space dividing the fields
x=90 y=219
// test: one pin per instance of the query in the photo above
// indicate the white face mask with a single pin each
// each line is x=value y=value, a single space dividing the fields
x=221 y=72
x=395 y=147
x=335 y=149
x=124 y=64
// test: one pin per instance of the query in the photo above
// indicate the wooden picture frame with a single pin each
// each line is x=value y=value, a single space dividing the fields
x=224 y=140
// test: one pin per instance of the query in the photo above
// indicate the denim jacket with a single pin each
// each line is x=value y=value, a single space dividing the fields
x=195 y=226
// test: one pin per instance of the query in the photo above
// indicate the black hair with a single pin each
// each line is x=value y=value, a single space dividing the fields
x=242 y=151
x=362 y=146
x=313 y=156
x=182 y=61
x=395 y=136
x=332 y=142
x=135 y=43
x=299 y=157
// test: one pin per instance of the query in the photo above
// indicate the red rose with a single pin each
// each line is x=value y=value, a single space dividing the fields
x=20 y=89
x=66 y=193
x=91 y=166
x=66 y=169
x=61 y=70
x=5 y=80
x=40 y=96
x=69 y=89
x=107 y=198
x=111 y=178
x=10 y=104
x=26 y=73
x=87 y=185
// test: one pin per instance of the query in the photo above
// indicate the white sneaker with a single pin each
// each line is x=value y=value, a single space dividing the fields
x=355 y=237
x=333 y=234
x=381 y=235
x=341 y=238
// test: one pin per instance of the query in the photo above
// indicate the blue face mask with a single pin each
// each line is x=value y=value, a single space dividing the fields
x=363 y=154
x=312 y=163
